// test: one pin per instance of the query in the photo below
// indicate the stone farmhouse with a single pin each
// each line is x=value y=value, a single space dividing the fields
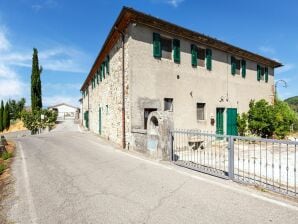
x=150 y=65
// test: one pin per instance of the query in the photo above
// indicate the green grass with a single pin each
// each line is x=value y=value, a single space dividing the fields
x=6 y=155
x=2 y=168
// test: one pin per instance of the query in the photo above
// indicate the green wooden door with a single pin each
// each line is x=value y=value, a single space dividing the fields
x=232 y=121
x=99 y=120
x=219 y=121
x=86 y=116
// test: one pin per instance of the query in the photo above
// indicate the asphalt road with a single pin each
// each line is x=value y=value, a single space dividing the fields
x=68 y=176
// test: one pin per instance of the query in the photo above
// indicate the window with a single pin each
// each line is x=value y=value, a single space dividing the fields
x=147 y=111
x=168 y=104
x=201 y=57
x=166 y=47
x=200 y=111
x=107 y=109
x=262 y=73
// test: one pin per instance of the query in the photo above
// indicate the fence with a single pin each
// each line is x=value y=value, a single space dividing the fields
x=268 y=163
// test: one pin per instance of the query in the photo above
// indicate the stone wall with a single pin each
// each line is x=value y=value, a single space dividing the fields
x=107 y=97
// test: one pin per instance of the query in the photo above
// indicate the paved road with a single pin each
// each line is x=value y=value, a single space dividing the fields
x=74 y=177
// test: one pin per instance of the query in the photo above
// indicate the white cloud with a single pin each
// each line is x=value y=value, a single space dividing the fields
x=4 y=43
x=174 y=3
x=57 y=58
x=10 y=84
x=267 y=50
x=44 y=4
x=285 y=68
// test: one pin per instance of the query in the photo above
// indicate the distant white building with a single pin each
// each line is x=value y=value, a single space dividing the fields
x=66 y=111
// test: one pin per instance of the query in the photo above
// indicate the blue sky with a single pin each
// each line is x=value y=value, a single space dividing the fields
x=69 y=35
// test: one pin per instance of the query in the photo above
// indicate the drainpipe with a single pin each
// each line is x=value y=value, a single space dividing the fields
x=88 y=109
x=123 y=87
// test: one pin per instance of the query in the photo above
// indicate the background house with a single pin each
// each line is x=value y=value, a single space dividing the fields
x=66 y=111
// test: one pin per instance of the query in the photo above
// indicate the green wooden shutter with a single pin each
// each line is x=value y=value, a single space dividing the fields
x=176 y=48
x=209 y=59
x=156 y=45
x=233 y=65
x=243 y=65
x=266 y=74
x=108 y=64
x=194 y=55
x=97 y=79
x=258 y=72
x=100 y=73
x=103 y=70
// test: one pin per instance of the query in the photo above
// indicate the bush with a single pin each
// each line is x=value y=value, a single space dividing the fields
x=34 y=122
x=242 y=124
x=2 y=167
x=267 y=120
x=6 y=155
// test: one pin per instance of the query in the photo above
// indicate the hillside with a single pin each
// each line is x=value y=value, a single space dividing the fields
x=293 y=102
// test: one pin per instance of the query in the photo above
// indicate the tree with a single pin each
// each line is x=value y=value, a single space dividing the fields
x=260 y=116
x=1 y=116
x=36 y=96
x=5 y=117
x=16 y=107
x=284 y=118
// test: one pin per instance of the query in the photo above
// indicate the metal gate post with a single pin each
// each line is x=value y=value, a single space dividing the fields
x=231 y=157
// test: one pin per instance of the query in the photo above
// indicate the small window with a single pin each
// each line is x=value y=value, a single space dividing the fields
x=147 y=111
x=168 y=104
x=107 y=109
x=200 y=111
x=201 y=57
x=166 y=47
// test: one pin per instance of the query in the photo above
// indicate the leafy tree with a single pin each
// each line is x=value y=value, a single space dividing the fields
x=1 y=116
x=242 y=124
x=16 y=107
x=32 y=119
x=36 y=97
x=284 y=118
x=267 y=120
x=260 y=117
x=293 y=102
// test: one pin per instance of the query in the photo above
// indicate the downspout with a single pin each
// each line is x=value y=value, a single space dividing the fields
x=123 y=87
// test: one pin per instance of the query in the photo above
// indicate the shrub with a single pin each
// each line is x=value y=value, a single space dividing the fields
x=6 y=155
x=33 y=121
x=267 y=120
x=242 y=124
x=2 y=167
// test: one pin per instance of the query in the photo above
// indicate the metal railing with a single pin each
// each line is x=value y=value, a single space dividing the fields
x=267 y=163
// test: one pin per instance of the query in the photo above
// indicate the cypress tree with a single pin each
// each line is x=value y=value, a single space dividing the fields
x=36 y=98
x=5 y=116
x=1 y=116
x=8 y=116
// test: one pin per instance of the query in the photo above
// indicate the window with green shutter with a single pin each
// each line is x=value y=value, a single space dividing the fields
x=209 y=59
x=243 y=68
x=194 y=55
x=233 y=65
x=266 y=74
x=258 y=72
x=176 y=52
x=156 y=45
